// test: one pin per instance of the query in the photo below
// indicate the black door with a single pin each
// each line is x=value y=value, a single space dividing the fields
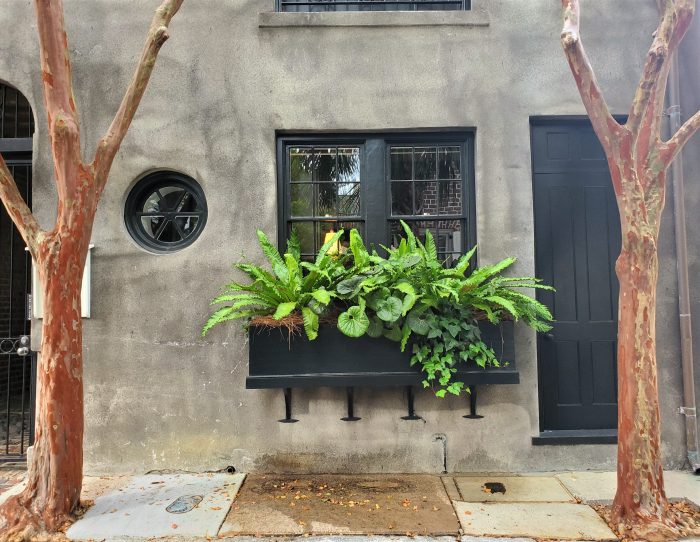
x=577 y=240
x=16 y=129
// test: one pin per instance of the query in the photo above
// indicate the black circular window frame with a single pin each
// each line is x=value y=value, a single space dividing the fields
x=152 y=187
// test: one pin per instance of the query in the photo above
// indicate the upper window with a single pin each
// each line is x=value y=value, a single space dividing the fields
x=16 y=119
x=372 y=182
x=372 y=5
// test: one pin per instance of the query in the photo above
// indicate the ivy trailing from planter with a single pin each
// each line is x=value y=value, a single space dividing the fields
x=409 y=297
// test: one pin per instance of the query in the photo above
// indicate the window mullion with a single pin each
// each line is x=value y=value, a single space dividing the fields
x=374 y=192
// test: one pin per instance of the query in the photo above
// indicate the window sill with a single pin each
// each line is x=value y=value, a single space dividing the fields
x=475 y=18
x=583 y=436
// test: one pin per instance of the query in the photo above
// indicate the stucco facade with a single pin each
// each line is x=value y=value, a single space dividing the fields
x=233 y=75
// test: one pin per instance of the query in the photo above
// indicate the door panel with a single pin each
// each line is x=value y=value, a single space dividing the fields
x=577 y=236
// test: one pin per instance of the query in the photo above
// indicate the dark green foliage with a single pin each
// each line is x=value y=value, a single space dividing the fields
x=409 y=297
x=293 y=286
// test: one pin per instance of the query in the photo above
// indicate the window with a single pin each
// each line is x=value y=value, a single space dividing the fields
x=371 y=182
x=372 y=5
x=166 y=211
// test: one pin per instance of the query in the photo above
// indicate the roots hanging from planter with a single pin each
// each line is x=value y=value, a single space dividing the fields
x=294 y=323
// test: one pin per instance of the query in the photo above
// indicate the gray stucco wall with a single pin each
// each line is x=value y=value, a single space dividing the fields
x=157 y=395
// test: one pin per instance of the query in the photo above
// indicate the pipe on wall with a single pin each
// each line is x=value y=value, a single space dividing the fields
x=688 y=408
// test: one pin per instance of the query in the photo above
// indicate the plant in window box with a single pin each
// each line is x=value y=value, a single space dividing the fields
x=411 y=293
x=409 y=297
x=294 y=293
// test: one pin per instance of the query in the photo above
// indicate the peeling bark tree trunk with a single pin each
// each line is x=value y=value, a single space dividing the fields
x=638 y=160
x=55 y=473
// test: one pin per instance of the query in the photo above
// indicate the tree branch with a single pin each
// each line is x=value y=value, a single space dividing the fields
x=18 y=210
x=109 y=145
x=675 y=20
x=56 y=72
x=657 y=57
x=673 y=146
x=605 y=126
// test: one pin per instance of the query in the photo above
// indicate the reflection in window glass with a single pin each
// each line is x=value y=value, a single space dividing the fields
x=447 y=235
x=324 y=193
x=425 y=181
x=330 y=184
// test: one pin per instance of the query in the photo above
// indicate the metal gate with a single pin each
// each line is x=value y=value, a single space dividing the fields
x=16 y=359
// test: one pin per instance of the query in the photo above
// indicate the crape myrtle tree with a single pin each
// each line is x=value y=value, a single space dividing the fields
x=55 y=473
x=638 y=159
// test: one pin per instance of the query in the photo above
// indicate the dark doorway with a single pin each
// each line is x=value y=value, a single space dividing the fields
x=577 y=240
x=16 y=408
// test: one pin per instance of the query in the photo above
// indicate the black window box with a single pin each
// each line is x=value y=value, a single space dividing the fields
x=280 y=361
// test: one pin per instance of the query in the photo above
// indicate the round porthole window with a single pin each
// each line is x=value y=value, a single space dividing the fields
x=166 y=211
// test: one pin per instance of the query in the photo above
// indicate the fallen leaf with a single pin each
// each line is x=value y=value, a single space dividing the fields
x=174 y=525
x=216 y=508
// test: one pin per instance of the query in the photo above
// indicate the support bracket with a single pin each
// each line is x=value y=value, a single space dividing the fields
x=351 y=406
x=472 y=405
x=411 y=408
x=288 y=407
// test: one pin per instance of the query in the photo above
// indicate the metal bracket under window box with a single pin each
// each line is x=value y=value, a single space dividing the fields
x=278 y=360
x=36 y=305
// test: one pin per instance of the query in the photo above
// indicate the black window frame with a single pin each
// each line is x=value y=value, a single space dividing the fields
x=139 y=193
x=344 y=6
x=375 y=185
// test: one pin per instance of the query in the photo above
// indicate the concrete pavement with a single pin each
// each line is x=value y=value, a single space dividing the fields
x=364 y=508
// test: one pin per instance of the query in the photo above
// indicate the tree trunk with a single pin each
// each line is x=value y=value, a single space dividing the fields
x=55 y=474
x=640 y=503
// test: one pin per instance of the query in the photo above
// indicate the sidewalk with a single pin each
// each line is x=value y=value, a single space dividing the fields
x=355 y=508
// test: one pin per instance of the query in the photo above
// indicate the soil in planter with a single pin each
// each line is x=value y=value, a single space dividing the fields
x=337 y=504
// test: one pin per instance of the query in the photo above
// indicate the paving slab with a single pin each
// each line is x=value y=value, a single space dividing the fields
x=286 y=505
x=559 y=520
x=512 y=489
x=96 y=486
x=592 y=486
x=140 y=508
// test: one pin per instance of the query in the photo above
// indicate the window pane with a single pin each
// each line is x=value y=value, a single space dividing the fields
x=401 y=163
x=348 y=199
x=449 y=241
x=449 y=163
x=305 y=232
x=326 y=202
x=450 y=200
x=151 y=225
x=349 y=165
x=186 y=225
x=426 y=198
x=301 y=164
x=402 y=198
x=325 y=165
x=424 y=163
x=302 y=199
x=446 y=233
x=326 y=230
x=418 y=227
